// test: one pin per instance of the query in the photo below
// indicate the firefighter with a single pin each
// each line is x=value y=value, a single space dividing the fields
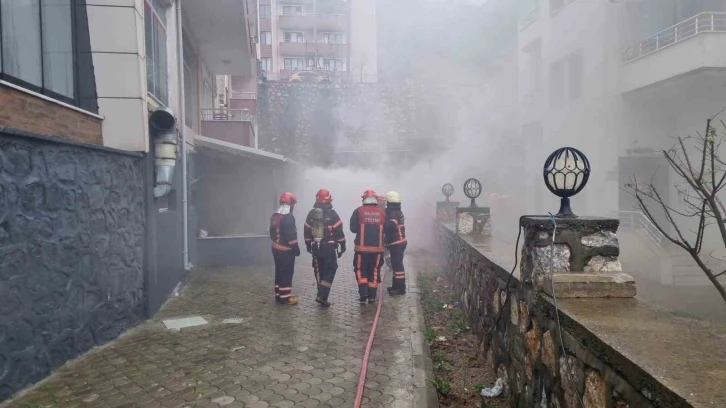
x=367 y=223
x=325 y=240
x=386 y=252
x=395 y=240
x=285 y=248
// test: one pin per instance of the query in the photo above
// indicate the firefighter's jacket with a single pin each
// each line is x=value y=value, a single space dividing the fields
x=283 y=232
x=333 y=234
x=395 y=230
x=367 y=224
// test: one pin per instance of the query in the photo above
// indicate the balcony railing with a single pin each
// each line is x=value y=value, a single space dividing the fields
x=227 y=115
x=303 y=14
x=243 y=95
x=637 y=221
x=529 y=18
x=700 y=23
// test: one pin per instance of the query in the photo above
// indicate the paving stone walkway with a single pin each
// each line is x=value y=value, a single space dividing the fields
x=277 y=356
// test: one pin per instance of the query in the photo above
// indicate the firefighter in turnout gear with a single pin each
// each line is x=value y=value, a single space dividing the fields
x=395 y=240
x=386 y=252
x=325 y=240
x=367 y=223
x=285 y=248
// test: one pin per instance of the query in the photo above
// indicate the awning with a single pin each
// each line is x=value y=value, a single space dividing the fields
x=202 y=142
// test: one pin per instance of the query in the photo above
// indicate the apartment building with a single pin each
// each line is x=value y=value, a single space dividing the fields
x=616 y=79
x=335 y=39
x=113 y=154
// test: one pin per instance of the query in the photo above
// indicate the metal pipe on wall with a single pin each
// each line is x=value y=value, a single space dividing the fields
x=182 y=124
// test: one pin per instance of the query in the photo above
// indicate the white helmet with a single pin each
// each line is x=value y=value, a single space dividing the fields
x=393 y=197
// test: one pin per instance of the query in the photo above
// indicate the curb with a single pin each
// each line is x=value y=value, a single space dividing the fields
x=424 y=395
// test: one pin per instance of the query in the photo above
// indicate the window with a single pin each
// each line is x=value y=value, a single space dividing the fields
x=295 y=37
x=265 y=11
x=37 y=50
x=566 y=79
x=266 y=63
x=156 y=63
x=294 y=63
x=265 y=37
x=191 y=92
x=333 y=64
x=333 y=38
x=292 y=10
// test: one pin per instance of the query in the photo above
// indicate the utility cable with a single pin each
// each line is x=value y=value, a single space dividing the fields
x=557 y=315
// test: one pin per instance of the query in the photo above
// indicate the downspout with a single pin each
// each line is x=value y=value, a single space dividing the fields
x=182 y=125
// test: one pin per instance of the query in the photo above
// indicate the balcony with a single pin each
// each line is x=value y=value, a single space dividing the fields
x=308 y=21
x=691 y=46
x=238 y=126
x=321 y=49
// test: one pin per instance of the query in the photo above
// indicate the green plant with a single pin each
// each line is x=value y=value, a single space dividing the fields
x=485 y=404
x=430 y=333
x=459 y=321
x=33 y=405
x=443 y=365
x=442 y=386
x=478 y=387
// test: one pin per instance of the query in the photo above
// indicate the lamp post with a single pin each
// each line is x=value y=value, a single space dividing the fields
x=566 y=172
x=447 y=190
x=479 y=215
x=472 y=189
x=446 y=210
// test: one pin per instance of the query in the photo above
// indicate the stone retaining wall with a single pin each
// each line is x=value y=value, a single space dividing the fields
x=524 y=350
x=72 y=243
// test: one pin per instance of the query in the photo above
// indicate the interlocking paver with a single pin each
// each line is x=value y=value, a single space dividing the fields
x=273 y=356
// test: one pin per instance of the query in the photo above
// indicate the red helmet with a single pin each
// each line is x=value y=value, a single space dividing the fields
x=368 y=194
x=323 y=197
x=288 y=198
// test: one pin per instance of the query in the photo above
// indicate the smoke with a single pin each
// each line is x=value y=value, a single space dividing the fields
x=465 y=111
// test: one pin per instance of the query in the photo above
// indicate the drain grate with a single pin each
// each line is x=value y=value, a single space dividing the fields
x=184 y=322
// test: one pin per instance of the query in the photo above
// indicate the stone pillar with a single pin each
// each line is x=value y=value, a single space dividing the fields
x=585 y=258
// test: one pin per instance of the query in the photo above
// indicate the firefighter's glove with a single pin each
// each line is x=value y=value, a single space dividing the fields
x=296 y=250
x=309 y=248
x=341 y=249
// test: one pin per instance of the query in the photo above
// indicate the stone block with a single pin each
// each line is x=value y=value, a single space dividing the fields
x=533 y=339
x=572 y=378
x=549 y=353
x=523 y=317
x=591 y=285
x=595 y=395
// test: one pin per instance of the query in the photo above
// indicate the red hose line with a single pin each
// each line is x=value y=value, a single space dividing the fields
x=366 y=355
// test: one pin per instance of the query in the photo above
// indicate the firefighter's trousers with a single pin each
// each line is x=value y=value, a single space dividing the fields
x=325 y=264
x=367 y=266
x=399 y=274
x=284 y=269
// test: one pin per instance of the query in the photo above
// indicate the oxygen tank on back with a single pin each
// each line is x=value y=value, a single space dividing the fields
x=318 y=224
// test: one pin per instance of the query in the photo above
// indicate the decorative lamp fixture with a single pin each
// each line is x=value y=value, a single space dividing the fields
x=472 y=189
x=471 y=220
x=446 y=210
x=447 y=190
x=566 y=172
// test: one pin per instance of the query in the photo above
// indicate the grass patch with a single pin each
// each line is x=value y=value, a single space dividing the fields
x=443 y=387
x=430 y=334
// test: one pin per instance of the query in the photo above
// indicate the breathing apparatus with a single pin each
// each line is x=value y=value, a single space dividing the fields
x=317 y=217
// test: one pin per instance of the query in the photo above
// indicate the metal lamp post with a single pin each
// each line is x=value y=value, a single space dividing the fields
x=446 y=210
x=566 y=172
x=479 y=215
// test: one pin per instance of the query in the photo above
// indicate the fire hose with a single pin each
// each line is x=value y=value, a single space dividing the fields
x=369 y=345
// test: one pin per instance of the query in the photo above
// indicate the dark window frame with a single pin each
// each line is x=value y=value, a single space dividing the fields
x=75 y=100
x=159 y=96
